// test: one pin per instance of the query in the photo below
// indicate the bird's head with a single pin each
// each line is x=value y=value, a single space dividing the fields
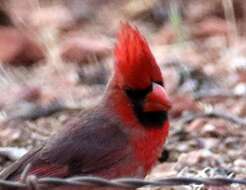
x=138 y=76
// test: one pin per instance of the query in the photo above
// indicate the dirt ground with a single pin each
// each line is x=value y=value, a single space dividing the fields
x=60 y=59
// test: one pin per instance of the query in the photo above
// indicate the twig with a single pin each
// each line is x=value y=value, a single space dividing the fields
x=231 y=20
x=32 y=182
x=89 y=181
x=216 y=93
x=38 y=111
x=84 y=181
x=24 y=174
x=215 y=114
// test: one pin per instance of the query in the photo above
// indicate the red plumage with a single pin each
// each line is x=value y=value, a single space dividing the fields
x=121 y=136
x=135 y=64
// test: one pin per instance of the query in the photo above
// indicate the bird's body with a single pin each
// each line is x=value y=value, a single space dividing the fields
x=122 y=136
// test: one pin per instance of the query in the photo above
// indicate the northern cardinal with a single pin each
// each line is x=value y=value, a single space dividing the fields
x=120 y=137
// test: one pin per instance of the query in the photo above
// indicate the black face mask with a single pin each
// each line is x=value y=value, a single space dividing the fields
x=147 y=119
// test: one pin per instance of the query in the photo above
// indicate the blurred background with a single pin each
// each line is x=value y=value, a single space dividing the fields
x=56 y=58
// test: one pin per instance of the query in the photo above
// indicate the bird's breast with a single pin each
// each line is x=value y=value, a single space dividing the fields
x=149 y=145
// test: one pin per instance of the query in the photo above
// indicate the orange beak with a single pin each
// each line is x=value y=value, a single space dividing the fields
x=157 y=100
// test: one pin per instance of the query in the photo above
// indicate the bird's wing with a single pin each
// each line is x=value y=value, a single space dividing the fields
x=88 y=145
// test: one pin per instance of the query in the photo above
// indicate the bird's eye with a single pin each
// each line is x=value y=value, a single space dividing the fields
x=138 y=93
x=160 y=83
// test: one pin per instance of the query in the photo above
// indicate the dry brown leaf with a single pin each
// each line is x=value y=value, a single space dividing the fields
x=81 y=49
x=17 y=48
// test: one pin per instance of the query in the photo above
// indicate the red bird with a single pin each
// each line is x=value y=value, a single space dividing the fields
x=120 y=137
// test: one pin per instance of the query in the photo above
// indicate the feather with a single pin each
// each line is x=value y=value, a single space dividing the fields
x=135 y=65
